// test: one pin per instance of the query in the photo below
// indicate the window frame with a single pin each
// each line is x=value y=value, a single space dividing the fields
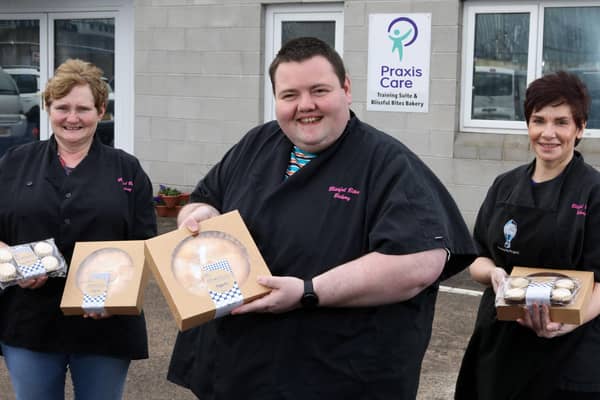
x=536 y=10
x=123 y=13
x=275 y=15
x=124 y=110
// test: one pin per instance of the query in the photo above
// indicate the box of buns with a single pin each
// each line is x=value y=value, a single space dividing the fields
x=207 y=275
x=106 y=277
x=29 y=261
x=566 y=292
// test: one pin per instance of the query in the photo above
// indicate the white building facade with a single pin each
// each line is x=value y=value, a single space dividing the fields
x=189 y=76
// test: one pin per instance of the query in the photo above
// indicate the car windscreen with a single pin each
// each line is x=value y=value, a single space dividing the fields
x=25 y=83
x=492 y=84
x=7 y=84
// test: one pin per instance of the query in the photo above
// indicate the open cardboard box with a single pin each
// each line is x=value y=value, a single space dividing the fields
x=106 y=276
x=204 y=277
x=571 y=313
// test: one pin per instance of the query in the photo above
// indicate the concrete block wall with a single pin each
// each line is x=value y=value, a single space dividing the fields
x=198 y=83
x=199 y=88
x=466 y=163
x=431 y=135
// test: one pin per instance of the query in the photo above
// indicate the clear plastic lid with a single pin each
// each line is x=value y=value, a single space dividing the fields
x=195 y=254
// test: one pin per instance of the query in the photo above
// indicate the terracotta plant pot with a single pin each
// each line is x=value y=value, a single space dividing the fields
x=184 y=198
x=170 y=201
x=167 y=212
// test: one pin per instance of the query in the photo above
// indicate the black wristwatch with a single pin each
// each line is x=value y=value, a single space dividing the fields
x=309 y=299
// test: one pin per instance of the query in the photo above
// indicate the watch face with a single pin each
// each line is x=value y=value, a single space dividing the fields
x=309 y=300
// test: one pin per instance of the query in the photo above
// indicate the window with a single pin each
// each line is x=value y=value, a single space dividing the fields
x=285 y=22
x=26 y=83
x=90 y=37
x=35 y=38
x=507 y=46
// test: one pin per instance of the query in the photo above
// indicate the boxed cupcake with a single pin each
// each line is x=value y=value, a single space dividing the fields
x=106 y=277
x=207 y=275
x=566 y=292
x=29 y=261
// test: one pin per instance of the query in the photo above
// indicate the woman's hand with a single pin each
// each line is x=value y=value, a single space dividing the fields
x=29 y=283
x=484 y=271
x=537 y=318
x=33 y=283
x=102 y=315
x=497 y=278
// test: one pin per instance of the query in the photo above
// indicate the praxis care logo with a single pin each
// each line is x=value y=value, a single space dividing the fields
x=402 y=32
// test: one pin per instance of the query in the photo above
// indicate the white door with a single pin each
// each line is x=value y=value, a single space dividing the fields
x=285 y=22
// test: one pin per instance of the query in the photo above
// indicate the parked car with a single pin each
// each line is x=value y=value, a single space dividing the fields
x=27 y=79
x=106 y=128
x=13 y=123
x=494 y=93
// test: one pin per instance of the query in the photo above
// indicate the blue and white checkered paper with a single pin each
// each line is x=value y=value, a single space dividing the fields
x=228 y=300
x=32 y=271
x=95 y=303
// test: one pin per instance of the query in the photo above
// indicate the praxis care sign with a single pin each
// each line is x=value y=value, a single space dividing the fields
x=399 y=53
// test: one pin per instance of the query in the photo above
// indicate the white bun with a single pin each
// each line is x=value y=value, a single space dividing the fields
x=564 y=283
x=561 y=294
x=514 y=294
x=50 y=263
x=42 y=249
x=519 y=282
x=7 y=272
x=5 y=256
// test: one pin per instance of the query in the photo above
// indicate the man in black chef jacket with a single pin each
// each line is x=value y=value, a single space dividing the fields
x=357 y=233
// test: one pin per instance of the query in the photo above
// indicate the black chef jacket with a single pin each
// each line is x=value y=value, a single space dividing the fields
x=503 y=359
x=365 y=193
x=107 y=197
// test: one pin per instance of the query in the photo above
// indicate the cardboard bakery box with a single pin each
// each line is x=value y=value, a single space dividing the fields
x=106 y=276
x=568 y=313
x=205 y=276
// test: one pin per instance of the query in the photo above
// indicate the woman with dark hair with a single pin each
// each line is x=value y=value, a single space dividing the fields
x=553 y=208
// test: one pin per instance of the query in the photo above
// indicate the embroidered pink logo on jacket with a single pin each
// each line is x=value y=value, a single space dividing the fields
x=581 y=208
x=343 y=193
x=127 y=185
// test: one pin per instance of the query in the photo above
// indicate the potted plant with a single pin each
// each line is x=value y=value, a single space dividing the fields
x=167 y=202
x=159 y=206
x=169 y=195
x=184 y=198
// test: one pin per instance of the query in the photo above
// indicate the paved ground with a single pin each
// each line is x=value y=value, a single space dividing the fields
x=455 y=314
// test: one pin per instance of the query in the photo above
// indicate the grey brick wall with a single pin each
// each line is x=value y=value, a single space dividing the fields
x=198 y=83
x=199 y=88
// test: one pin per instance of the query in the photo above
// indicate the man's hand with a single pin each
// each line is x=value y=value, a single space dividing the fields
x=285 y=295
x=194 y=213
